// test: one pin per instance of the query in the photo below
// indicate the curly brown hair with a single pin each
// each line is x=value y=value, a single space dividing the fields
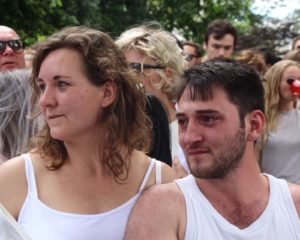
x=128 y=127
x=254 y=59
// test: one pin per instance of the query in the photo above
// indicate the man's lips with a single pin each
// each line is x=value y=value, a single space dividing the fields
x=197 y=151
x=8 y=63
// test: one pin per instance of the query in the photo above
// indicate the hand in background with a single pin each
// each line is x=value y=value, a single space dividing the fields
x=179 y=169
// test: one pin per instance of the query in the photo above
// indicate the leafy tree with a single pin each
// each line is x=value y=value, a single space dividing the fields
x=35 y=19
x=272 y=34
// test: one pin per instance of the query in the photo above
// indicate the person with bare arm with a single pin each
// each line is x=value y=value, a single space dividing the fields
x=220 y=118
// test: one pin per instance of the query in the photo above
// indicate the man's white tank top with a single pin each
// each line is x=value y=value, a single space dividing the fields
x=278 y=221
x=41 y=222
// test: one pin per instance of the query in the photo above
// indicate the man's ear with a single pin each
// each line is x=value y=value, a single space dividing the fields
x=256 y=122
x=204 y=46
x=108 y=93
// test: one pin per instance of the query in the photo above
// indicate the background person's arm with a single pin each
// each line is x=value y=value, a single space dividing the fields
x=295 y=192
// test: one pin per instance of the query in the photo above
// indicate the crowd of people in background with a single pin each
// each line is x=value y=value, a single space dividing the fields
x=173 y=139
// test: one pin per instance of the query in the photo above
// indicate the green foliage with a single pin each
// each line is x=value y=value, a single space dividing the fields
x=190 y=18
x=35 y=19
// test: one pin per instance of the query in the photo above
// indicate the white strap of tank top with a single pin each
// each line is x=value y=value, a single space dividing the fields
x=30 y=175
x=157 y=172
x=152 y=162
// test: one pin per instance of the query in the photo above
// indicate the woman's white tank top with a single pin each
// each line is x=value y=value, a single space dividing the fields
x=41 y=222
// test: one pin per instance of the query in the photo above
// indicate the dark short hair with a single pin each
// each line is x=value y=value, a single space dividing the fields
x=219 y=28
x=198 y=49
x=241 y=83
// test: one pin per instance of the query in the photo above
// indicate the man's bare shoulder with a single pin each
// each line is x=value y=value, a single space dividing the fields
x=159 y=197
x=163 y=193
x=295 y=192
x=158 y=214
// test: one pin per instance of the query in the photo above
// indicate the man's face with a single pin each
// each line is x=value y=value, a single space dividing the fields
x=9 y=59
x=219 y=48
x=190 y=53
x=211 y=135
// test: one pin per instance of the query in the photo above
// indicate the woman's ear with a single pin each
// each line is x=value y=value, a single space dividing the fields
x=108 y=93
x=256 y=122
x=169 y=72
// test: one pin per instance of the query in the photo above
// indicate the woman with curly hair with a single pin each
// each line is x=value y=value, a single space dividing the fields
x=87 y=166
x=159 y=62
x=252 y=58
x=280 y=154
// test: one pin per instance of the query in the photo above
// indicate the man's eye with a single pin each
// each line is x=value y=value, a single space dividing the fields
x=216 y=46
x=182 y=122
x=208 y=119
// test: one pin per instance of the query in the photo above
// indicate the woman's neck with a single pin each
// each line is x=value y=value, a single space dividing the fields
x=286 y=106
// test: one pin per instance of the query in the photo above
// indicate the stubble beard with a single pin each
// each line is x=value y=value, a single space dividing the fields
x=226 y=160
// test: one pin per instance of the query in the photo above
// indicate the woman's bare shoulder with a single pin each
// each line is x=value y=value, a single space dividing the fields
x=13 y=184
x=167 y=173
x=11 y=168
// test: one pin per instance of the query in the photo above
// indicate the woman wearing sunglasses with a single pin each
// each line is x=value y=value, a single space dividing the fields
x=11 y=50
x=158 y=60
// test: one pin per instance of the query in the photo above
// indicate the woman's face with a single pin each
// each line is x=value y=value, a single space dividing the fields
x=68 y=100
x=147 y=74
x=284 y=89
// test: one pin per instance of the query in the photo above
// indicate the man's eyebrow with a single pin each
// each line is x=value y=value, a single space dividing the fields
x=198 y=112
x=179 y=114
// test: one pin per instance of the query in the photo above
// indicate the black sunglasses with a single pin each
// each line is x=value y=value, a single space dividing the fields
x=16 y=45
x=189 y=57
x=139 y=67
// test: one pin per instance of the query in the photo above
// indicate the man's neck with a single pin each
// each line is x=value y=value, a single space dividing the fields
x=240 y=197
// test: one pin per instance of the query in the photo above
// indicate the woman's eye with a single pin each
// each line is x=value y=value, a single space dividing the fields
x=62 y=84
x=41 y=87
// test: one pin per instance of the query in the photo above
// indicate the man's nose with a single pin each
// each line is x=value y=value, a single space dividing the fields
x=8 y=50
x=192 y=134
x=221 y=52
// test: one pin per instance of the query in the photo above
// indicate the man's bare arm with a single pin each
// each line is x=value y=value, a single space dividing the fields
x=295 y=192
x=158 y=214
